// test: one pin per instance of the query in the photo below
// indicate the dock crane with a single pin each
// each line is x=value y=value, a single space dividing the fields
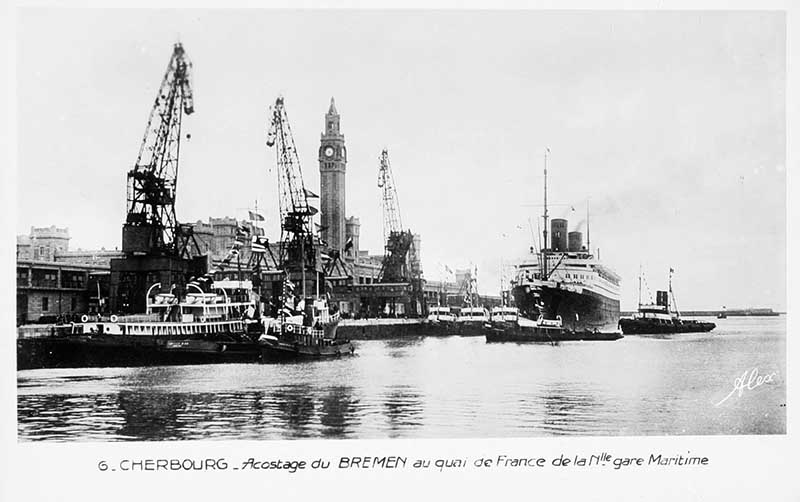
x=298 y=253
x=397 y=265
x=156 y=247
x=151 y=227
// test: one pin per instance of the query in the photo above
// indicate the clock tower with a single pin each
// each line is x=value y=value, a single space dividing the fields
x=332 y=163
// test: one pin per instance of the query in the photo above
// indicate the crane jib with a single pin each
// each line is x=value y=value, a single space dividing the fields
x=151 y=220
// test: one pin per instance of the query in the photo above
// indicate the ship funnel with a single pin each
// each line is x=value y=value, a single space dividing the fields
x=662 y=298
x=558 y=234
x=575 y=241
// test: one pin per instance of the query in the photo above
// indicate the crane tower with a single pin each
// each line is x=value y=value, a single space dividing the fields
x=389 y=202
x=395 y=266
x=156 y=246
x=299 y=253
x=151 y=226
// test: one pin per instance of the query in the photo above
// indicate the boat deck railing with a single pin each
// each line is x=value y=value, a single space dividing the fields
x=305 y=335
x=159 y=328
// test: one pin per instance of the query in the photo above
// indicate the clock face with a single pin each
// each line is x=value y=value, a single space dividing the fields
x=329 y=151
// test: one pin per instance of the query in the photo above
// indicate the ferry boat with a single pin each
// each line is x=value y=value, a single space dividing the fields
x=470 y=321
x=217 y=325
x=658 y=318
x=566 y=279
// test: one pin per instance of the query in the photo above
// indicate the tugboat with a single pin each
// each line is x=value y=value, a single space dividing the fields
x=306 y=331
x=658 y=318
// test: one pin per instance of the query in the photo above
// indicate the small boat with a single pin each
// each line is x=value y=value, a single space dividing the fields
x=309 y=333
x=723 y=314
x=504 y=314
x=441 y=315
x=659 y=318
x=470 y=321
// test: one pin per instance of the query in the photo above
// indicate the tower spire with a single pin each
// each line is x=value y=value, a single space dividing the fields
x=332 y=109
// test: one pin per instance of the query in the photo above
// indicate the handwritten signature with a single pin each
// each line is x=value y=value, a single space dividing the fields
x=749 y=380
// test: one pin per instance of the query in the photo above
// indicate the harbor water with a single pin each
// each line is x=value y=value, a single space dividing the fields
x=434 y=387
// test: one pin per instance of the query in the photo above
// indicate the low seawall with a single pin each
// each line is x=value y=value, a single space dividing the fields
x=381 y=329
x=35 y=331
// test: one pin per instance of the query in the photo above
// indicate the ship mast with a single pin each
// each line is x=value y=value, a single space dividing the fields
x=502 y=300
x=640 y=280
x=544 y=246
x=474 y=288
x=671 y=294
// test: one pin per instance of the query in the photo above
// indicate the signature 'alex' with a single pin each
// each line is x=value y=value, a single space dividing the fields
x=748 y=380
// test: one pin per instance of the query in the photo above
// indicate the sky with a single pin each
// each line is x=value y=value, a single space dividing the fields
x=668 y=126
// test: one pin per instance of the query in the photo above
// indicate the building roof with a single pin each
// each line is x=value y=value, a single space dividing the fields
x=51 y=232
x=61 y=265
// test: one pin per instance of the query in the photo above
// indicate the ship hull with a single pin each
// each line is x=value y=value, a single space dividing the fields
x=383 y=329
x=648 y=327
x=469 y=328
x=288 y=345
x=513 y=332
x=443 y=328
x=282 y=350
x=578 y=311
x=80 y=351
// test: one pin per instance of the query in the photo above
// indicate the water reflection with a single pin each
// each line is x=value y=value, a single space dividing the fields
x=296 y=408
x=400 y=347
x=151 y=415
x=63 y=417
x=403 y=408
x=338 y=413
x=567 y=409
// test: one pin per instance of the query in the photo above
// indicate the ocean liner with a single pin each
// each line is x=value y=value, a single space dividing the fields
x=565 y=280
